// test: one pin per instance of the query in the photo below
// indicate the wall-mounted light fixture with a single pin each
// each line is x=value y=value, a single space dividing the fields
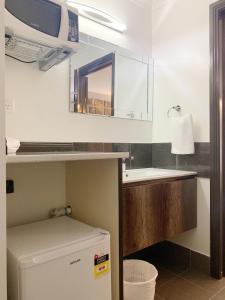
x=97 y=16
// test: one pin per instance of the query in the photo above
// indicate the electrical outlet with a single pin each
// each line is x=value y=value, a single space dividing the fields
x=9 y=186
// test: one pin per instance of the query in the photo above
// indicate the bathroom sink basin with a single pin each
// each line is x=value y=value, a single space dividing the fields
x=152 y=174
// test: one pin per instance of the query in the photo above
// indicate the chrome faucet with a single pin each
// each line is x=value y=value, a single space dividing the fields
x=124 y=167
x=131 y=158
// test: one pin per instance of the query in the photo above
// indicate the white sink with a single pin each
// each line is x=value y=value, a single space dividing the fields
x=152 y=173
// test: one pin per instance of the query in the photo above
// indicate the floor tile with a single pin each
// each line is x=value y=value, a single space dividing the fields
x=164 y=276
x=174 y=268
x=204 y=281
x=182 y=289
x=157 y=297
x=219 y=296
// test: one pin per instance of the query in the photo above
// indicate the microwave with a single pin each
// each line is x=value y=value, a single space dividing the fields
x=49 y=17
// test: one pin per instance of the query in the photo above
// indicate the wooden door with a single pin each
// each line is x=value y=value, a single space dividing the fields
x=180 y=206
x=142 y=217
x=3 y=245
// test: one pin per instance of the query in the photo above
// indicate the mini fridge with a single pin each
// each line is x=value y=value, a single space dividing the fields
x=58 y=259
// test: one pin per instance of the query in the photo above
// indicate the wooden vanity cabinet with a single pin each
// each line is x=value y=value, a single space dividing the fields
x=142 y=217
x=180 y=206
x=156 y=210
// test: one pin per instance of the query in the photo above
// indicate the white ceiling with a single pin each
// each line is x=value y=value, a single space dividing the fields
x=142 y=3
x=156 y=4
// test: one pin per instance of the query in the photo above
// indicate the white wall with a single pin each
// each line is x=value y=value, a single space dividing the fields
x=199 y=239
x=41 y=100
x=181 y=53
x=3 y=295
x=39 y=188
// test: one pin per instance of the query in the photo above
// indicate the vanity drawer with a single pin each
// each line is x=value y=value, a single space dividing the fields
x=153 y=212
x=180 y=206
x=142 y=217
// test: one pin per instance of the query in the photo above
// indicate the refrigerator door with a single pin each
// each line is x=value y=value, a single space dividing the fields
x=81 y=275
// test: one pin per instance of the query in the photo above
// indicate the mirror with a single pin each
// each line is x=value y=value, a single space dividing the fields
x=110 y=81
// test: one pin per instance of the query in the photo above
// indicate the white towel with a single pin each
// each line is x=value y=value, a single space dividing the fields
x=182 y=135
x=12 y=145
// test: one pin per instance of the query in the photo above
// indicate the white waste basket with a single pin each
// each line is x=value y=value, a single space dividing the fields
x=139 y=280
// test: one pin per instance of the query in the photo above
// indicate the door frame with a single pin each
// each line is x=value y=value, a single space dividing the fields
x=3 y=246
x=217 y=144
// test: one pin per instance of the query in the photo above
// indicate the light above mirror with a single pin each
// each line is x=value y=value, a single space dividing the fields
x=97 y=16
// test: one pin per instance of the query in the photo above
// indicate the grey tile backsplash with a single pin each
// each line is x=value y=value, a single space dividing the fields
x=156 y=155
x=142 y=156
x=199 y=162
x=26 y=147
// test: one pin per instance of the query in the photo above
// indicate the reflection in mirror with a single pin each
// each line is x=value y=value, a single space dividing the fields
x=131 y=88
x=94 y=84
x=110 y=81
x=100 y=100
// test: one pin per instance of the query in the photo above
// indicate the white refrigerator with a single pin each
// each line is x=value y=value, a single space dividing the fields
x=58 y=259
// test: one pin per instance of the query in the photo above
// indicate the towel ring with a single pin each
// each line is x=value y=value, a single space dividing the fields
x=177 y=108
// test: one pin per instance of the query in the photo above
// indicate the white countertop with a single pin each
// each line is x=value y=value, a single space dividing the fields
x=138 y=175
x=63 y=156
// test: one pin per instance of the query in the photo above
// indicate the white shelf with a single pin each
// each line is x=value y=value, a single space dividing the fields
x=65 y=156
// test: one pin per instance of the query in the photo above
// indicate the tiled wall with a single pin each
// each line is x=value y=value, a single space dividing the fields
x=157 y=155
x=199 y=162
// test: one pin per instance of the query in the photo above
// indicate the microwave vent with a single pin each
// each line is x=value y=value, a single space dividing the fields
x=24 y=50
x=27 y=51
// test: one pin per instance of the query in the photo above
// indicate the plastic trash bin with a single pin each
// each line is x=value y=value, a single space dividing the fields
x=139 y=280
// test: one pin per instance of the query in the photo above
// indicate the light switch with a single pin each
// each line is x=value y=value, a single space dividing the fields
x=9 y=105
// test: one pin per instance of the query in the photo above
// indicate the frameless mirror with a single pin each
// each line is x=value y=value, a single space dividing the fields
x=110 y=81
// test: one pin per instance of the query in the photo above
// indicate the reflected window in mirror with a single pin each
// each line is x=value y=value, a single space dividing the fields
x=94 y=86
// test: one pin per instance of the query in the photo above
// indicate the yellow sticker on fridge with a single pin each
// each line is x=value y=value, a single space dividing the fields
x=101 y=265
